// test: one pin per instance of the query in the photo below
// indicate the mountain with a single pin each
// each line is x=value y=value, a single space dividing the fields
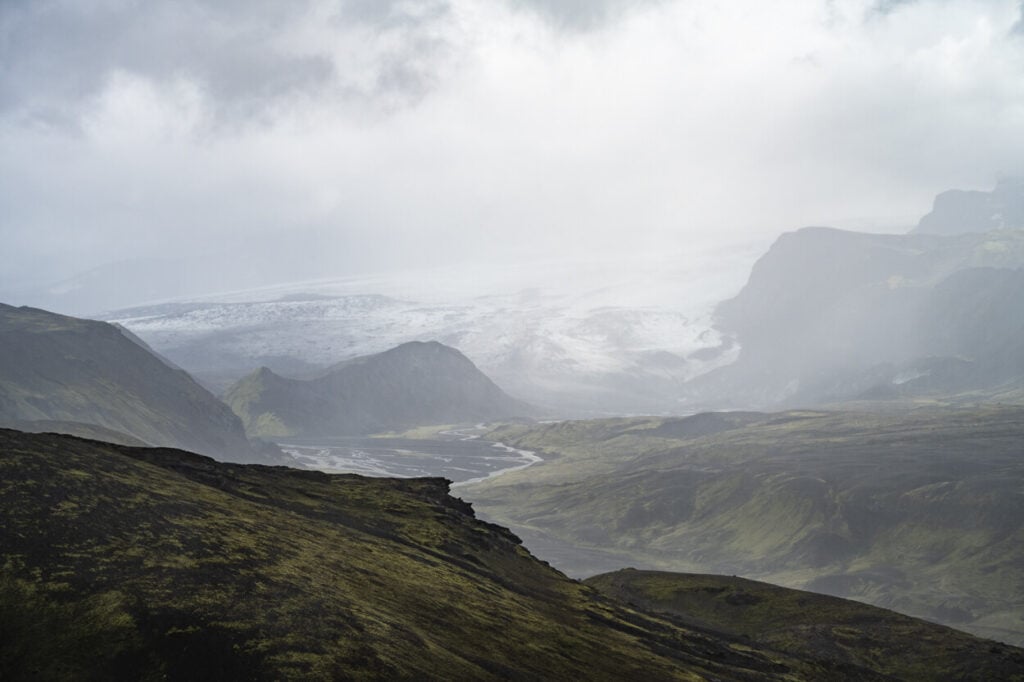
x=417 y=383
x=829 y=315
x=957 y=211
x=918 y=511
x=615 y=337
x=66 y=373
x=147 y=564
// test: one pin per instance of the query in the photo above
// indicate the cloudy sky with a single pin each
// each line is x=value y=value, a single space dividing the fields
x=375 y=134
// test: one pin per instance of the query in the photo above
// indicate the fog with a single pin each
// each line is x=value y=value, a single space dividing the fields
x=236 y=144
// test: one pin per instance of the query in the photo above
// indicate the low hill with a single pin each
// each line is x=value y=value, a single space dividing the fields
x=137 y=563
x=918 y=511
x=411 y=385
x=850 y=635
x=58 y=370
x=80 y=429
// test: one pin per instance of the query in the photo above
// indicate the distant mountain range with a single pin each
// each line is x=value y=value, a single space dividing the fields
x=138 y=563
x=831 y=316
x=94 y=379
x=414 y=384
x=957 y=211
x=617 y=336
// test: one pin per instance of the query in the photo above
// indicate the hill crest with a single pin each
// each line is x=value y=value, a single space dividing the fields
x=414 y=384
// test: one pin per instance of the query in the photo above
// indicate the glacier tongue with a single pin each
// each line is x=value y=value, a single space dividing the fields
x=580 y=338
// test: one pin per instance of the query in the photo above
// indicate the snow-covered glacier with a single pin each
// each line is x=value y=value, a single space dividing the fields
x=596 y=337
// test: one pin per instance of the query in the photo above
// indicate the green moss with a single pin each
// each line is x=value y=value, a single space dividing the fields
x=172 y=565
x=851 y=638
x=918 y=511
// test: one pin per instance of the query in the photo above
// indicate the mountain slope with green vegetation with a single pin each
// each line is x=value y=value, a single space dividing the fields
x=60 y=371
x=146 y=564
x=919 y=511
x=850 y=635
x=414 y=384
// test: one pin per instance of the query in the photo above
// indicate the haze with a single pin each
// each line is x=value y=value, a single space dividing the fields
x=251 y=143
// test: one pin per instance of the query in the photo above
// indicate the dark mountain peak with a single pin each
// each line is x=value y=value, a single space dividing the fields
x=265 y=372
x=415 y=384
x=428 y=351
x=414 y=346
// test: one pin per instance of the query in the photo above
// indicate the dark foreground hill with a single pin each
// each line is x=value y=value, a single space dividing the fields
x=851 y=635
x=411 y=385
x=920 y=512
x=69 y=373
x=147 y=564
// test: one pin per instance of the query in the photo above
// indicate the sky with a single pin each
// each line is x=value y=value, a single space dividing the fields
x=338 y=136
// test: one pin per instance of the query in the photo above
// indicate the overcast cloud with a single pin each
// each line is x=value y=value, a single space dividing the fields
x=418 y=132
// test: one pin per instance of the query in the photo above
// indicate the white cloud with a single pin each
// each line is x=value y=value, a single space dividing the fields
x=431 y=130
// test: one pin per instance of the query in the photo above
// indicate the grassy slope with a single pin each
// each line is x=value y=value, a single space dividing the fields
x=849 y=634
x=140 y=563
x=80 y=429
x=920 y=512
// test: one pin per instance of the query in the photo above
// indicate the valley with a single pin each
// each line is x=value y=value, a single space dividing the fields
x=918 y=510
x=141 y=563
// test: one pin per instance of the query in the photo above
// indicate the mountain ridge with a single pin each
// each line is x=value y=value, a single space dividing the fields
x=414 y=384
x=829 y=316
x=957 y=211
x=58 y=369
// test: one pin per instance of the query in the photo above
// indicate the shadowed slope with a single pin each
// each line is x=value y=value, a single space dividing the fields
x=918 y=511
x=137 y=563
x=848 y=634
x=414 y=384
x=126 y=562
x=60 y=369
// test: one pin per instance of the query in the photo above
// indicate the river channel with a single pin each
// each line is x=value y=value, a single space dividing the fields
x=458 y=455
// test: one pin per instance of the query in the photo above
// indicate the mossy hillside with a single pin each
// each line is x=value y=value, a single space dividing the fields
x=80 y=429
x=121 y=562
x=800 y=623
x=918 y=511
